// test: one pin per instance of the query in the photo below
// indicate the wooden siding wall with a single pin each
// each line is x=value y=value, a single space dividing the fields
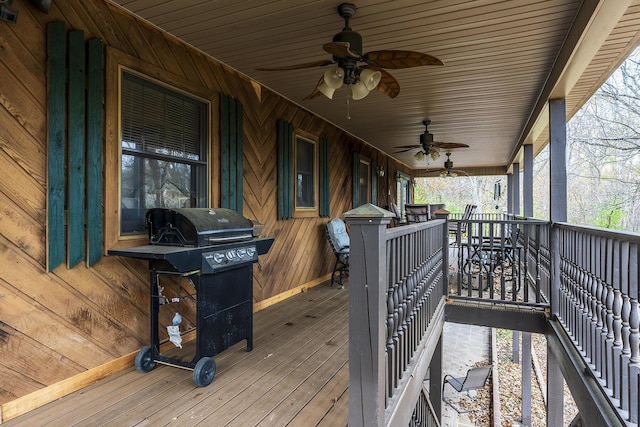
x=55 y=325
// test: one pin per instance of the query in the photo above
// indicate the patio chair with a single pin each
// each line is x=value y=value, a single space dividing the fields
x=416 y=213
x=474 y=380
x=469 y=210
x=338 y=238
x=397 y=218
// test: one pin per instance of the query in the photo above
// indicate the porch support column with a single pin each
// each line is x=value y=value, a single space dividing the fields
x=516 y=188
x=526 y=378
x=558 y=213
x=558 y=159
x=367 y=314
x=510 y=194
x=527 y=182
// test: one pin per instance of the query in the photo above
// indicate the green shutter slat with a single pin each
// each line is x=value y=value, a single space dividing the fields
x=224 y=151
x=232 y=153
x=94 y=151
x=56 y=53
x=327 y=211
x=76 y=148
x=290 y=170
x=356 y=180
x=374 y=182
x=324 y=178
x=239 y=157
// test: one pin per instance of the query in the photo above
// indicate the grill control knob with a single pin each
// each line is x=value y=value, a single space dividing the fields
x=242 y=252
x=231 y=254
x=218 y=257
x=251 y=251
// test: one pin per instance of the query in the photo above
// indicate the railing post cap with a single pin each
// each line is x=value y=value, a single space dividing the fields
x=441 y=213
x=370 y=212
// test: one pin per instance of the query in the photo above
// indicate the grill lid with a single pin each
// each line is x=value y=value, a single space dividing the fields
x=197 y=226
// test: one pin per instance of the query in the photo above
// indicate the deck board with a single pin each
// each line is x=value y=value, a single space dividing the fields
x=297 y=372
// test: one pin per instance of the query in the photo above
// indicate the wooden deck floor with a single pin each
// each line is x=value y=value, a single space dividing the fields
x=296 y=375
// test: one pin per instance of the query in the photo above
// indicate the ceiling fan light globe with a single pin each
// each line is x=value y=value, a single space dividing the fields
x=358 y=91
x=326 y=90
x=419 y=156
x=435 y=154
x=334 y=77
x=370 y=78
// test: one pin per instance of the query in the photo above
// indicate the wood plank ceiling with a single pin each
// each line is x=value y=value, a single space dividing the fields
x=498 y=57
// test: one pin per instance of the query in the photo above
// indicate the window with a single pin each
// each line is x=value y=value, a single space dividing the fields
x=364 y=179
x=163 y=142
x=306 y=176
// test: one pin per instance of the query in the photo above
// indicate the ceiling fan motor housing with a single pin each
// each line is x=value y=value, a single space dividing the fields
x=352 y=37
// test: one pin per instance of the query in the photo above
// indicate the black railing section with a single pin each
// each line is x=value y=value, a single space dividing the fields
x=598 y=307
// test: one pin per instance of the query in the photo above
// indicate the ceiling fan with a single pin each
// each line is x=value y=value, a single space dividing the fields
x=428 y=146
x=362 y=72
x=448 y=171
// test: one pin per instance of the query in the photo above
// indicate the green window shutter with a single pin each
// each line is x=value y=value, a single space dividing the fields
x=325 y=200
x=356 y=180
x=56 y=53
x=94 y=151
x=76 y=148
x=231 y=153
x=285 y=171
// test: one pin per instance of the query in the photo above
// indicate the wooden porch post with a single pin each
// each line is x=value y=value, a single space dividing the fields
x=558 y=213
x=367 y=314
x=510 y=193
x=527 y=203
x=527 y=181
x=516 y=188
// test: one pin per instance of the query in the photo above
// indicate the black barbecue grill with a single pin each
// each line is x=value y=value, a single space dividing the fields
x=215 y=249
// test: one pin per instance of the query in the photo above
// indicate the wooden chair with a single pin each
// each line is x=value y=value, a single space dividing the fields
x=339 y=240
x=474 y=380
x=416 y=213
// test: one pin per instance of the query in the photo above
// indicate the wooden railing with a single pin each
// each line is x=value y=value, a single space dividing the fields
x=598 y=307
x=500 y=259
x=397 y=282
x=424 y=415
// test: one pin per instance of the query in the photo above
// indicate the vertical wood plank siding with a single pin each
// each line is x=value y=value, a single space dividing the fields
x=76 y=149
x=80 y=318
x=56 y=50
x=94 y=150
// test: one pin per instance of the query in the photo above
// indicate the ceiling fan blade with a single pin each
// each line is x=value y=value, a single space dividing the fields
x=408 y=146
x=320 y=63
x=316 y=93
x=388 y=84
x=395 y=59
x=405 y=150
x=340 y=49
x=448 y=145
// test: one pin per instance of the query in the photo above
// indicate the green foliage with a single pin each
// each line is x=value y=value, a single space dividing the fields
x=610 y=215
